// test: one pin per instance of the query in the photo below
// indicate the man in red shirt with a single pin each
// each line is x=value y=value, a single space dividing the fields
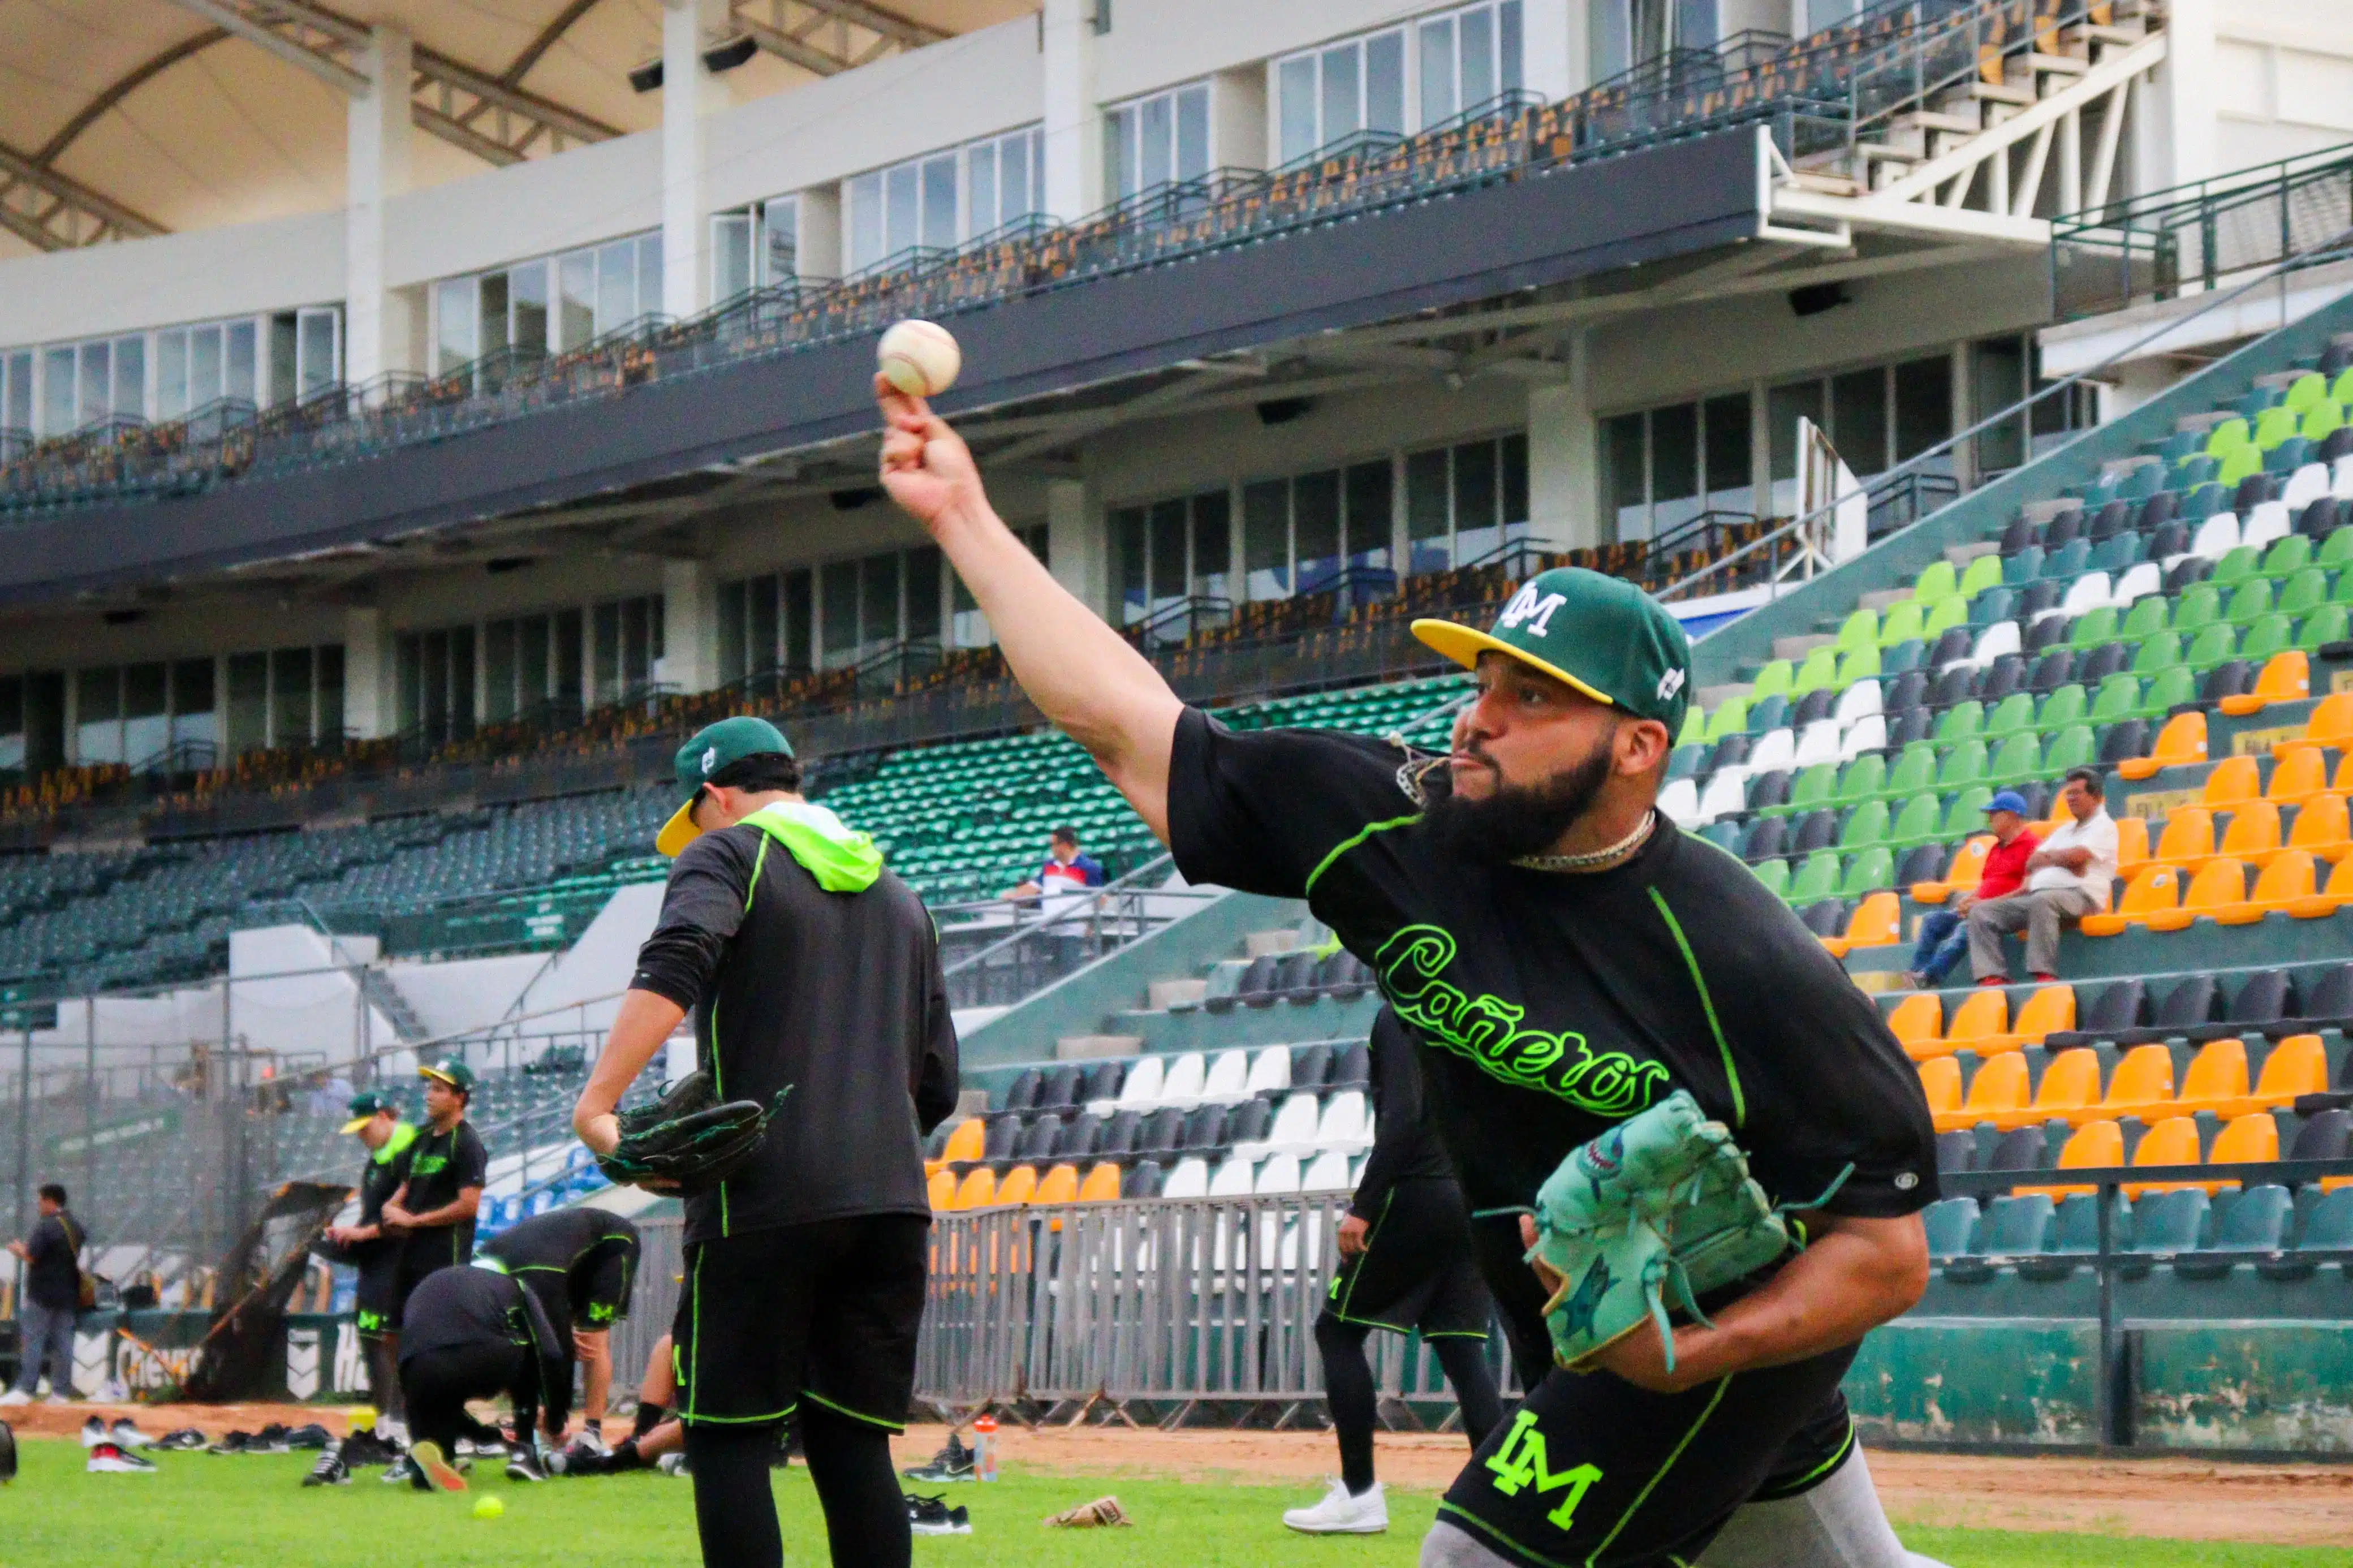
x=1944 y=934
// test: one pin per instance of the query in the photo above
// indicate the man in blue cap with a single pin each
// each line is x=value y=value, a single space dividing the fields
x=1566 y=959
x=813 y=978
x=1943 y=933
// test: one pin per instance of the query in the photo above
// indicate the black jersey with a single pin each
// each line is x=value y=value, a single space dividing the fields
x=386 y=1168
x=1406 y=1145
x=468 y=1307
x=831 y=992
x=581 y=1263
x=1551 y=1005
x=440 y=1165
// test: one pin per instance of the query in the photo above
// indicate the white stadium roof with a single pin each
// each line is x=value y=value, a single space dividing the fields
x=127 y=116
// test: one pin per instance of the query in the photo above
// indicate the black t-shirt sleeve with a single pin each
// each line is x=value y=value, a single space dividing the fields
x=1263 y=810
x=701 y=908
x=1397 y=1114
x=470 y=1163
x=1823 y=1083
x=936 y=1073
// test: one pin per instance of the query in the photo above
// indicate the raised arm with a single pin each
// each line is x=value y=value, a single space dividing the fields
x=1082 y=675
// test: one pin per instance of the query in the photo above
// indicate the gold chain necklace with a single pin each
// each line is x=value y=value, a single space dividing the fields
x=1593 y=859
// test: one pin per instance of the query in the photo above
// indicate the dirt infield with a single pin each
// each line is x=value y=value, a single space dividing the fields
x=2182 y=1500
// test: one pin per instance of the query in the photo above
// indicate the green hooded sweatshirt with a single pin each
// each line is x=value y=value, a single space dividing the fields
x=842 y=859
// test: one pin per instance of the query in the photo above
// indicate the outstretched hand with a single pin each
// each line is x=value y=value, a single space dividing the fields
x=926 y=466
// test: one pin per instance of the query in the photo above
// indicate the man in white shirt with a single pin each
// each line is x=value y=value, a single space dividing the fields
x=2068 y=878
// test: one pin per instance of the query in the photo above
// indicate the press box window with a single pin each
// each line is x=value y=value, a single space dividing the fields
x=1170 y=551
x=1155 y=141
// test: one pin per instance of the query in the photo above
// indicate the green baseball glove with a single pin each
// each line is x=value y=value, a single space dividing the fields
x=688 y=1141
x=1661 y=1206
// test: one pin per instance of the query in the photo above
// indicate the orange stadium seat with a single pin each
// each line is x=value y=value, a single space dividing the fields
x=1060 y=1184
x=2182 y=743
x=978 y=1189
x=2286 y=677
x=2299 y=776
x=2156 y=889
x=2330 y=725
x=968 y=1142
x=1877 y=921
x=2249 y=1140
x=2071 y=1082
x=2324 y=828
x=2254 y=830
x=1020 y=1186
x=2217 y=1076
x=2338 y=893
x=2132 y=845
x=1102 y=1186
x=1962 y=875
x=943 y=1184
x=1984 y=1014
x=2172 y=1141
x=2297 y=1066
x=2218 y=884
x=2094 y=1146
x=1998 y=1087
x=2142 y=1084
x=1918 y=1024
x=2188 y=838
x=1940 y=1081
x=2051 y=1008
x=2285 y=881
x=2233 y=779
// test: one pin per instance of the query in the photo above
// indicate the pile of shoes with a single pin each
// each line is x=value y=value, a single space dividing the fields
x=274 y=1439
x=114 y=1450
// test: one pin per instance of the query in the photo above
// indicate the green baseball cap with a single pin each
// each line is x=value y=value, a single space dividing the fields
x=1603 y=636
x=713 y=747
x=365 y=1108
x=451 y=1071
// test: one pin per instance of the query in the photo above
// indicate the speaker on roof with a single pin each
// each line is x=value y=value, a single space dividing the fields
x=1816 y=298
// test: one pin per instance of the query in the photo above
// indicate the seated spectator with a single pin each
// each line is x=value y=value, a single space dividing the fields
x=1065 y=870
x=2068 y=878
x=1942 y=940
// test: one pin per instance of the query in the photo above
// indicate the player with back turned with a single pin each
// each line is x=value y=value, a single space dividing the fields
x=1574 y=968
x=813 y=975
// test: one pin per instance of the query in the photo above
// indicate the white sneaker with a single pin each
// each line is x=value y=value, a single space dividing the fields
x=16 y=1396
x=57 y=1399
x=1342 y=1514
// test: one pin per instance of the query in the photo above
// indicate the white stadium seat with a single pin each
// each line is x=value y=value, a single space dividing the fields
x=1271 y=1069
x=2216 y=537
x=1726 y=795
x=1233 y=1178
x=1679 y=803
x=1187 y=1076
x=1346 y=1123
x=2140 y=580
x=1859 y=700
x=1820 y=743
x=1868 y=733
x=1229 y=1079
x=1773 y=750
x=1141 y=1091
x=2304 y=486
x=2085 y=593
x=1327 y=1172
x=1190 y=1179
x=2266 y=523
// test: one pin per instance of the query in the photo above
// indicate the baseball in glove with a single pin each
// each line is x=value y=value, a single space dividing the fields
x=1659 y=1209
x=687 y=1142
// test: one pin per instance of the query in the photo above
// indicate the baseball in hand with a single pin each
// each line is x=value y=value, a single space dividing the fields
x=919 y=358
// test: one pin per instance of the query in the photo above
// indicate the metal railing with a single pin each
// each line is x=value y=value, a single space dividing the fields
x=1057 y=934
x=2200 y=237
x=1801 y=548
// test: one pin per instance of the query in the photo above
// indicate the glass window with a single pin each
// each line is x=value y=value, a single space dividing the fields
x=327 y=722
x=130 y=376
x=1924 y=406
x=799 y=622
x=1859 y=419
x=865 y=221
x=1295 y=83
x=1329 y=94
x=1343 y=97
x=1212 y=545
x=527 y=308
x=59 y=406
x=2001 y=381
x=650 y=273
x=289 y=697
x=617 y=286
x=1130 y=561
x=839 y=585
x=1696 y=24
x=980 y=187
x=501 y=696
x=1316 y=529
x=1822 y=14
x=207 y=366
x=1729 y=481
x=780 y=230
x=1153 y=141
x=192 y=703
x=1266 y=539
x=282 y=357
x=16 y=412
x=248 y=702
x=1384 y=82
x=575 y=306
x=1625 y=477
x=1675 y=467
x=96 y=363
x=1438 y=81
x=940 y=230
x=455 y=328
x=1609 y=38
x=1170 y=542
x=1369 y=522
x=1429 y=512
x=1784 y=406
x=146 y=722
x=731 y=255
x=493 y=295
x=98 y=715
x=922 y=620
x=1478 y=530
x=901 y=208
x=316 y=362
x=1469 y=59
x=879 y=600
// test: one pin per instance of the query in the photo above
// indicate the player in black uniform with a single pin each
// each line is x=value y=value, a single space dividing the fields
x=1567 y=958
x=433 y=1212
x=1408 y=1265
x=582 y=1264
x=814 y=974
x=376 y=1255
x=473 y=1332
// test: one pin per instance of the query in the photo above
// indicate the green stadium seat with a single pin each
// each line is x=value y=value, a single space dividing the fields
x=1963 y=765
x=2305 y=591
x=2019 y=759
x=1862 y=779
x=1936 y=583
x=2250 y=601
x=2071 y=747
x=1730 y=718
x=1857 y=664
x=1773 y=679
x=2287 y=555
x=1965 y=813
x=1815 y=786
x=2014 y=715
x=1818 y=673
x=1943 y=616
x=1868 y=872
x=1901 y=623
x=2147 y=618
x=1915 y=770
x=2227 y=437
x=2307 y=392
x=1981 y=573
x=1816 y=879
x=2117 y=698
x=1775 y=875
x=2160 y=652
x=2095 y=628
x=2065 y=706
x=1916 y=823
x=1859 y=629
x=1865 y=826
x=2328 y=623
x=1960 y=721
x=2272 y=633
x=2169 y=689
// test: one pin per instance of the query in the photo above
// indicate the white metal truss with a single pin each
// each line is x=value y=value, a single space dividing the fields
x=51 y=211
x=2055 y=152
x=828 y=37
x=493 y=118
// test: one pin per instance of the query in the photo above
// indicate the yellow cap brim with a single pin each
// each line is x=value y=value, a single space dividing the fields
x=355 y=1123
x=1463 y=645
x=679 y=832
x=437 y=1076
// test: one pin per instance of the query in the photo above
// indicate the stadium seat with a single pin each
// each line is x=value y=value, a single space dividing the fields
x=1940 y=1081
x=2296 y=1066
x=965 y=1142
x=978 y=1189
x=2220 y=884
x=2249 y=1139
x=2254 y=1225
x=2182 y=743
x=1962 y=875
x=2171 y=1141
x=2050 y=1009
x=2096 y=1145
x=1918 y=1022
x=1101 y=1183
x=1998 y=1088
x=1020 y=1186
x=2142 y=1084
x=943 y=1186
x=2069 y=1086
x=2156 y=889
x=1983 y=1014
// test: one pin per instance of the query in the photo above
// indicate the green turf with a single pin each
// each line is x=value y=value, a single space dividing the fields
x=252 y=1512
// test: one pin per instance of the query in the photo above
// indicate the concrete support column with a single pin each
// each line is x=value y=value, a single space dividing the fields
x=1076 y=547
x=1564 y=499
x=1552 y=48
x=1074 y=172
x=690 y=92
x=371 y=700
x=2183 y=99
x=690 y=660
x=377 y=330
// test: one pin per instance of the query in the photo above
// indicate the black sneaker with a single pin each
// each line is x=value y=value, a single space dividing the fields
x=366 y=1448
x=330 y=1471
x=270 y=1440
x=403 y=1469
x=308 y=1438
x=932 y=1516
x=953 y=1463
x=233 y=1443
x=185 y=1438
x=523 y=1465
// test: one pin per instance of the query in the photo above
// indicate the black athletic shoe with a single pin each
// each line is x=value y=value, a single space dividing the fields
x=932 y=1516
x=330 y=1471
x=308 y=1438
x=366 y=1448
x=270 y=1440
x=953 y=1463
x=403 y=1469
x=185 y=1438
x=233 y=1443
x=523 y=1465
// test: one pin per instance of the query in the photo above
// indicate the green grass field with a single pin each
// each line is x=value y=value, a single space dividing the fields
x=203 y=1512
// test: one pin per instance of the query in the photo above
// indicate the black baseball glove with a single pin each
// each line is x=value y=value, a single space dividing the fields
x=687 y=1142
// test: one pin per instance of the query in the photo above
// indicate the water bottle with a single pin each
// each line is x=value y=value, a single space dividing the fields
x=984 y=1448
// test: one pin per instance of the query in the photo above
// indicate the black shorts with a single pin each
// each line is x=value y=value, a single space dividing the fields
x=422 y=1252
x=1591 y=1470
x=828 y=1312
x=1519 y=1300
x=1418 y=1269
x=379 y=1300
x=601 y=1286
